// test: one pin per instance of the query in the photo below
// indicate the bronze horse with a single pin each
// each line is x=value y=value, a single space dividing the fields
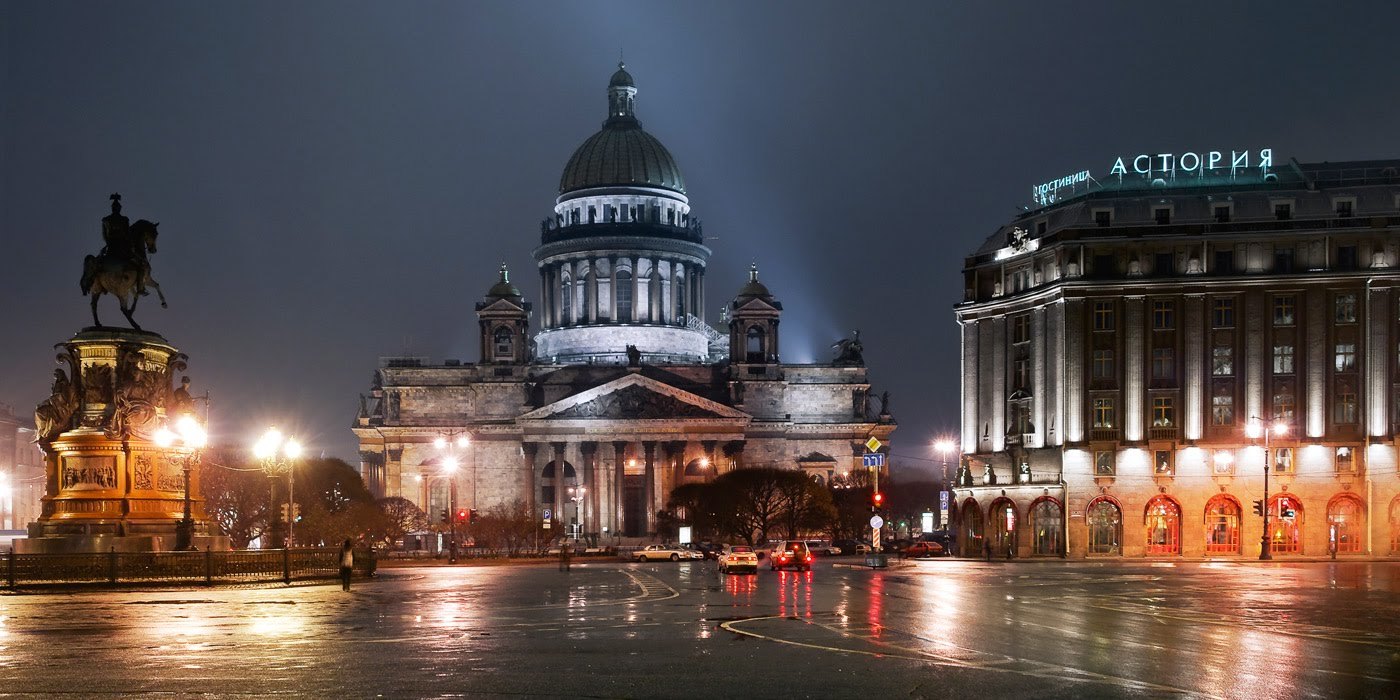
x=123 y=276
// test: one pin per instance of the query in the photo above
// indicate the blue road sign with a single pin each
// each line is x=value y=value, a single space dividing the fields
x=873 y=459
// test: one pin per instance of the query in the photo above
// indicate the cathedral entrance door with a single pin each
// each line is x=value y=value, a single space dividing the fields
x=634 y=512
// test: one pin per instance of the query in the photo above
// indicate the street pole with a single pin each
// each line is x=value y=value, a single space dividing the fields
x=1264 y=553
x=291 y=508
x=452 y=541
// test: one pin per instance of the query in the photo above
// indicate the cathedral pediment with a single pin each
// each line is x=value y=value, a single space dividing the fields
x=634 y=397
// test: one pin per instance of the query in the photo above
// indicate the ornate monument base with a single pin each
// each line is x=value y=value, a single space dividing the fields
x=109 y=485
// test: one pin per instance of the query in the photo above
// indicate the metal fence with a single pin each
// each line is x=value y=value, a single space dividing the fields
x=207 y=567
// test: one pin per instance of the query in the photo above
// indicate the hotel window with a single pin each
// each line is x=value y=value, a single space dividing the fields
x=1345 y=461
x=1283 y=211
x=1162 y=264
x=1346 y=308
x=1283 y=359
x=1163 y=215
x=1162 y=463
x=1224 y=262
x=1163 y=364
x=1021 y=373
x=1040 y=227
x=1222 y=409
x=1103 y=218
x=1103 y=463
x=1163 y=412
x=1103 y=364
x=1223 y=462
x=1285 y=406
x=1283 y=260
x=1222 y=361
x=1222 y=213
x=1344 y=409
x=1103 y=315
x=1103 y=413
x=1284 y=308
x=1344 y=208
x=1346 y=357
x=1222 y=313
x=1162 y=315
x=1346 y=257
x=1021 y=328
x=1283 y=460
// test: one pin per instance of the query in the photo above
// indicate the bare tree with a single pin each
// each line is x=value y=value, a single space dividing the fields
x=236 y=496
x=400 y=517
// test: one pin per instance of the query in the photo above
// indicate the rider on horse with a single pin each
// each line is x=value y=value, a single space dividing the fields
x=119 y=243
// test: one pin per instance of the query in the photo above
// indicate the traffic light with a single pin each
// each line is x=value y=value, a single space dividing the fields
x=296 y=512
x=471 y=515
x=1259 y=508
x=446 y=516
x=283 y=511
x=462 y=515
x=879 y=499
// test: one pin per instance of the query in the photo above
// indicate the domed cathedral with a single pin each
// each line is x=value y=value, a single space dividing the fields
x=622 y=262
x=625 y=392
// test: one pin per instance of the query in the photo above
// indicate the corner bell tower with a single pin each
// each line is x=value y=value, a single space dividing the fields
x=504 y=317
x=753 y=324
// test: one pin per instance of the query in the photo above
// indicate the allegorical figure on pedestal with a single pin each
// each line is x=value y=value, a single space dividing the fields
x=123 y=268
x=55 y=414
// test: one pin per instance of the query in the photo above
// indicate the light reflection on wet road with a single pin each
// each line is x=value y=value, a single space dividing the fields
x=683 y=630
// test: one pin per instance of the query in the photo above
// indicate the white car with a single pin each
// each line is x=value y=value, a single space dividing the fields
x=660 y=552
x=739 y=557
x=823 y=548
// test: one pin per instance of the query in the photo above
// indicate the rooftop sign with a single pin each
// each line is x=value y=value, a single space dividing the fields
x=1161 y=169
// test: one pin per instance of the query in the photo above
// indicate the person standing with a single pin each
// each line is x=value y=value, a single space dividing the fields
x=347 y=564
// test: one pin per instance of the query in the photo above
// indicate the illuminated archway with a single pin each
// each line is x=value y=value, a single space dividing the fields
x=1161 y=521
x=972 y=528
x=1285 y=524
x=1346 y=523
x=1001 y=525
x=1105 y=520
x=1222 y=525
x=1395 y=526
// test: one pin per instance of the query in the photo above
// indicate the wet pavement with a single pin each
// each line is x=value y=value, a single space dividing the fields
x=937 y=628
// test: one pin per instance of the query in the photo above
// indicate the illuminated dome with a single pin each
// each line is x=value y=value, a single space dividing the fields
x=621 y=154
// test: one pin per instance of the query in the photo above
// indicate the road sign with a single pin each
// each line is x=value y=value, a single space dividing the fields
x=873 y=444
x=943 y=500
x=873 y=459
x=877 y=522
x=548 y=514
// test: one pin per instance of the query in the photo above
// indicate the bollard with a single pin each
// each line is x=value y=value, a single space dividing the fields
x=286 y=565
x=112 y=566
x=208 y=567
x=11 y=566
x=373 y=564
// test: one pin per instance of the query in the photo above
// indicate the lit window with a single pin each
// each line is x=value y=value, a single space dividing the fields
x=1162 y=463
x=1222 y=361
x=1285 y=406
x=1222 y=313
x=1345 y=461
x=1284 y=305
x=1163 y=526
x=1346 y=357
x=1103 y=413
x=1283 y=460
x=1283 y=359
x=1103 y=463
x=1222 y=409
x=1103 y=315
x=1162 y=315
x=1222 y=525
x=1344 y=408
x=1163 y=411
x=1346 y=520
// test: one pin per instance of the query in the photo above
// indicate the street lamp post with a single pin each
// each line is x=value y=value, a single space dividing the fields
x=278 y=453
x=1256 y=428
x=184 y=446
x=944 y=447
x=576 y=496
x=448 y=442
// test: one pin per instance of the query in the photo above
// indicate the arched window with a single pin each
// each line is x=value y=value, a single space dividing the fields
x=972 y=528
x=624 y=296
x=754 y=342
x=1222 y=525
x=504 y=343
x=548 y=472
x=1047 y=526
x=1346 y=523
x=1285 y=524
x=699 y=466
x=1162 y=523
x=1001 y=519
x=1105 y=527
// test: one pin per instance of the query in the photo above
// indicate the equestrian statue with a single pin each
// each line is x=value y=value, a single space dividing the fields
x=122 y=269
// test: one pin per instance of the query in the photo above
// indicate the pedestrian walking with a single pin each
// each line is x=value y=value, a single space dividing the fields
x=347 y=564
x=564 y=555
x=986 y=549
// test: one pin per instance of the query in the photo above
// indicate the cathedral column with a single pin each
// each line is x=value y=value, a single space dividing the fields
x=619 y=478
x=675 y=458
x=590 y=467
x=612 y=288
x=733 y=452
x=640 y=314
x=528 y=451
x=700 y=294
x=590 y=290
x=558 y=487
x=649 y=493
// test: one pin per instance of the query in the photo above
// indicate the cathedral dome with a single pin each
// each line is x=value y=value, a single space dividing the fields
x=621 y=154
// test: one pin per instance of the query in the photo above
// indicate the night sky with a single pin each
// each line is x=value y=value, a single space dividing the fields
x=337 y=182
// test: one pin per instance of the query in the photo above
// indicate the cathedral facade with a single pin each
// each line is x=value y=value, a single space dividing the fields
x=624 y=391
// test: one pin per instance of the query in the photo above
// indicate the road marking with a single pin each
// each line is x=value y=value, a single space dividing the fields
x=1030 y=667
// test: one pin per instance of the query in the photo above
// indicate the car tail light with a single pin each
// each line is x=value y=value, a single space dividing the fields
x=809 y=558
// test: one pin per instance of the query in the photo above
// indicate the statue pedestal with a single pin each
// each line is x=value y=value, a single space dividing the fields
x=108 y=484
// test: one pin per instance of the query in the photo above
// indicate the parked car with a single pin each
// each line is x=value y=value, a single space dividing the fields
x=862 y=548
x=919 y=550
x=819 y=547
x=711 y=550
x=655 y=552
x=739 y=557
x=794 y=554
x=691 y=552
